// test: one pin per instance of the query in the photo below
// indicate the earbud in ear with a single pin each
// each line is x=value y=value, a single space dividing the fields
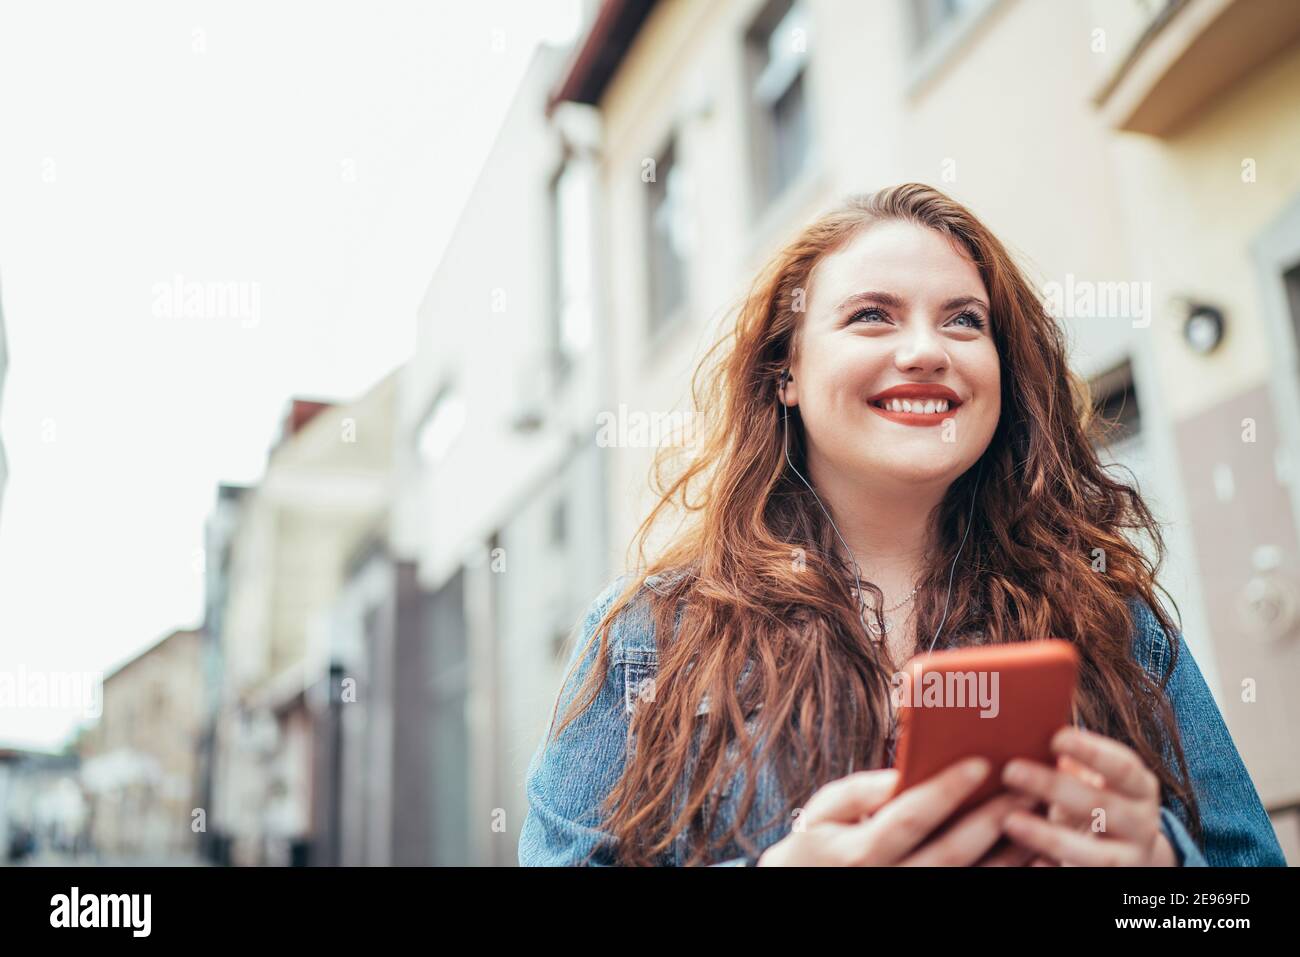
x=780 y=389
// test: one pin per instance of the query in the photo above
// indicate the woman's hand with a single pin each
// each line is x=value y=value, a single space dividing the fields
x=852 y=822
x=1007 y=853
x=1103 y=805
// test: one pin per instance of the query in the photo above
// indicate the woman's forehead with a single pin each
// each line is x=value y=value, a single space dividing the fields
x=900 y=259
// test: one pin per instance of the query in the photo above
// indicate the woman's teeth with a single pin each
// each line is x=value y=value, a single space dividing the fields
x=927 y=406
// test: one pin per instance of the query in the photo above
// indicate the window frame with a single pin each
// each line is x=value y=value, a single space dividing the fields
x=764 y=82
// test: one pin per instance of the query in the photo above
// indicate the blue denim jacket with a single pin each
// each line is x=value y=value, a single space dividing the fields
x=568 y=778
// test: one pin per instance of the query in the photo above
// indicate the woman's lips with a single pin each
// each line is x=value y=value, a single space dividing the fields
x=915 y=418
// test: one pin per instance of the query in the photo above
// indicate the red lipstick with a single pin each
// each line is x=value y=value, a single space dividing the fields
x=917 y=395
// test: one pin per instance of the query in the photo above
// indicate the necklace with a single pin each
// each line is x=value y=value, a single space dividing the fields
x=879 y=633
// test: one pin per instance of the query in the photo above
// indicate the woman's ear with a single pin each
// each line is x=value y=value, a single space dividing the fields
x=787 y=391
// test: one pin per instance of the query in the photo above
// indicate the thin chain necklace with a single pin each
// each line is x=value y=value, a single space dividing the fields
x=878 y=633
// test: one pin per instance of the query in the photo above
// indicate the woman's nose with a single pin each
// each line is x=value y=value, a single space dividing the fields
x=920 y=346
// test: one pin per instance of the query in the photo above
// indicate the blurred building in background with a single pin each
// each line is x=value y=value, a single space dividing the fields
x=1139 y=155
x=386 y=657
x=218 y=545
x=325 y=489
x=138 y=764
x=374 y=783
x=500 y=495
x=44 y=814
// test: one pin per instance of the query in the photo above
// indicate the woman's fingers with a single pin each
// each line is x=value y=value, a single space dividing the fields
x=1103 y=803
x=849 y=799
x=1080 y=803
x=1048 y=814
x=906 y=821
x=1058 y=814
x=1065 y=762
x=1119 y=764
x=1068 y=846
x=1007 y=853
x=968 y=839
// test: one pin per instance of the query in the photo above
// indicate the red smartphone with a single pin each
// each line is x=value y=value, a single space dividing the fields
x=998 y=702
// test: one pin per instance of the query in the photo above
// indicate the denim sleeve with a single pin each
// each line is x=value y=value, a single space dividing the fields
x=1186 y=850
x=1237 y=829
x=570 y=774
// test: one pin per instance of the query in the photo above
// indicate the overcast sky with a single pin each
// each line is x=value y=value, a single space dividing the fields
x=317 y=155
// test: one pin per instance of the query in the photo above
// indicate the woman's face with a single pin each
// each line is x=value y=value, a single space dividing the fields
x=898 y=306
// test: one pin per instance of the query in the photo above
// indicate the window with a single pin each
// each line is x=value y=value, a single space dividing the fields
x=666 y=240
x=1291 y=279
x=930 y=18
x=559 y=523
x=441 y=426
x=777 y=56
x=1122 y=448
x=1118 y=418
x=571 y=266
x=558 y=638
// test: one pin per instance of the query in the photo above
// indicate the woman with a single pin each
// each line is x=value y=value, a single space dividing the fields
x=897 y=459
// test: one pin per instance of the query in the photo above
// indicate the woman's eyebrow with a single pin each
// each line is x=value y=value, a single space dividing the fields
x=860 y=298
x=965 y=301
x=896 y=302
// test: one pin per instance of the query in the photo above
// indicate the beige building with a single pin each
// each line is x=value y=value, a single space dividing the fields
x=139 y=763
x=1141 y=151
x=499 y=500
x=325 y=490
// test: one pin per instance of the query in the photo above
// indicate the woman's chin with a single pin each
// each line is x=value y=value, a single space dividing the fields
x=911 y=474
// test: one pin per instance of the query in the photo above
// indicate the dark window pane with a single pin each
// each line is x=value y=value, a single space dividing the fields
x=776 y=56
x=1115 y=399
x=790 y=135
x=667 y=259
x=1292 y=280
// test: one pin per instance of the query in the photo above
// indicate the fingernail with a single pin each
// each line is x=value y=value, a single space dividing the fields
x=1015 y=773
x=977 y=769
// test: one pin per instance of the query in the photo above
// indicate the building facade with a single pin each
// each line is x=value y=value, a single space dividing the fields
x=500 y=498
x=285 y=550
x=139 y=763
x=1119 y=147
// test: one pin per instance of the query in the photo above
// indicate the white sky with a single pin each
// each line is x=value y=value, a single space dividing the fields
x=128 y=157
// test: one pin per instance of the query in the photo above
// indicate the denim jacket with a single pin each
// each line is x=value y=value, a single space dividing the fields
x=568 y=777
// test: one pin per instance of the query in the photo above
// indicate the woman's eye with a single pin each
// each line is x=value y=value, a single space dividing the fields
x=976 y=322
x=973 y=319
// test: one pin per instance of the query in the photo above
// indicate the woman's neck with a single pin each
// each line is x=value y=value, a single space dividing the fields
x=887 y=527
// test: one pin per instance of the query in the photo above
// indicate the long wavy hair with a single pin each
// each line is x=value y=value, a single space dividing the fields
x=751 y=583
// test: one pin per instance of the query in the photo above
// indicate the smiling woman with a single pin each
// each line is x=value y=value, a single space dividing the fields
x=898 y=315
x=892 y=418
